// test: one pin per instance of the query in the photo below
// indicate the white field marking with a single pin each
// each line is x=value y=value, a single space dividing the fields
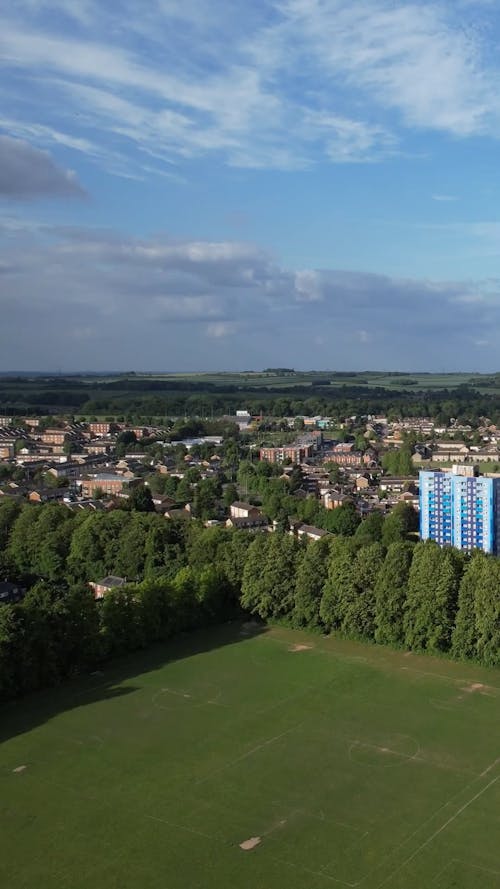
x=436 y=833
x=444 y=705
x=489 y=768
x=487 y=870
x=269 y=637
x=314 y=873
x=192 y=830
x=387 y=750
x=409 y=758
x=256 y=749
x=185 y=696
x=465 y=864
x=322 y=817
x=424 y=823
x=447 y=678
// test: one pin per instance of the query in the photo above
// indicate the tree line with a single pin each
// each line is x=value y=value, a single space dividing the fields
x=371 y=583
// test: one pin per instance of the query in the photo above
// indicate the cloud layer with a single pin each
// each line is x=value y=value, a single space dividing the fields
x=76 y=299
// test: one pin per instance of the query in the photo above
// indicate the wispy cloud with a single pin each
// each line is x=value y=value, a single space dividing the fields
x=444 y=198
x=281 y=85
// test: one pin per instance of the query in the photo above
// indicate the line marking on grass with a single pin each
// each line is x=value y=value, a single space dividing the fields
x=489 y=768
x=443 y=676
x=314 y=873
x=387 y=751
x=185 y=696
x=466 y=864
x=256 y=749
x=487 y=870
x=439 y=830
x=192 y=830
x=415 y=757
x=379 y=661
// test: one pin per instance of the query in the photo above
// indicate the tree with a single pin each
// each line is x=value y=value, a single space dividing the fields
x=432 y=597
x=343 y=520
x=309 y=583
x=295 y=479
x=399 y=523
x=358 y=603
x=9 y=512
x=206 y=496
x=339 y=584
x=390 y=594
x=464 y=642
x=230 y=495
x=370 y=529
x=267 y=588
x=141 y=500
x=487 y=607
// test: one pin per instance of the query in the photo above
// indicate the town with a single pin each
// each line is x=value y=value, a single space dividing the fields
x=315 y=476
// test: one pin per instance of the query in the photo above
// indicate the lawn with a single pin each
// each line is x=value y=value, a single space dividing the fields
x=337 y=764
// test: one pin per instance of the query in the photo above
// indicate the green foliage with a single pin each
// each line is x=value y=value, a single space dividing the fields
x=268 y=587
x=339 y=586
x=309 y=583
x=398 y=462
x=432 y=597
x=343 y=520
x=465 y=633
x=358 y=605
x=370 y=530
x=391 y=590
x=141 y=499
x=181 y=575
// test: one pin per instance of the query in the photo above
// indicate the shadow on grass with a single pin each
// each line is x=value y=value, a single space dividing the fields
x=26 y=713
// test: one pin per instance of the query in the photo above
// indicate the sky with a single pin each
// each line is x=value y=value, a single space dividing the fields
x=195 y=185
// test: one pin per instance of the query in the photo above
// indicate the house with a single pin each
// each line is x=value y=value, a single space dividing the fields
x=45 y=495
x=241 y=510
x=295 y=453
x=107 y=483
x=450 y=452
x=162 y=502
x=99 y=429
x=184 y=513
x=248 y=523
x=362 y=482
x=333 y=499
x=311 y=533
x=394 y=485
x=104 y=586
x=54 y=436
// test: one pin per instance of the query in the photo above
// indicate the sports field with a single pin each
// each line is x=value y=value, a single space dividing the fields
x=255 y=759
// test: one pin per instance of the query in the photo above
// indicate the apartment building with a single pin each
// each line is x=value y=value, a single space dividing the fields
x=460 y=510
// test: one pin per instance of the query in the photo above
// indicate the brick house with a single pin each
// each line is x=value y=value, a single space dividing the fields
x=101 y=587
x=109 y=483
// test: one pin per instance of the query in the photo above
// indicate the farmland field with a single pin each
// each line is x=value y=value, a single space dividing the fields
x=248 y=758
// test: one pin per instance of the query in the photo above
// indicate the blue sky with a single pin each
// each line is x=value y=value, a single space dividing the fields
x=218 y=184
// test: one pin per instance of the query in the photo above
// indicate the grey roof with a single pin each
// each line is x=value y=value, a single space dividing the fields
x=111 y=581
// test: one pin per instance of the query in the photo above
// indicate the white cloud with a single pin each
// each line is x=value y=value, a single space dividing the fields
x=443 y=198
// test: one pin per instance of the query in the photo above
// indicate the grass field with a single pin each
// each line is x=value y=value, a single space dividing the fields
x=347 y=765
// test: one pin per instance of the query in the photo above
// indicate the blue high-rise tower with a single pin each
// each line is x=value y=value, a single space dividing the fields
x=460 y=510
